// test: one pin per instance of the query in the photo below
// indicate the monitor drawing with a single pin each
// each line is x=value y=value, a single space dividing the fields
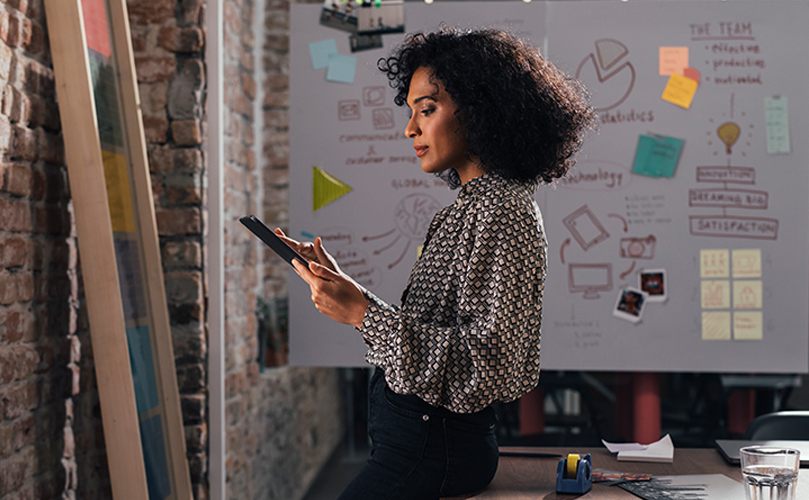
x=589 y=279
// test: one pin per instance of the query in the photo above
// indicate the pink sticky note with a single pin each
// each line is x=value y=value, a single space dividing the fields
x=673 y=60
x=691 y=74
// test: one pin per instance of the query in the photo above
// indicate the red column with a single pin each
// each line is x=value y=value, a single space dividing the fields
x=532 y=413
x=741 y=410
x=646 y=394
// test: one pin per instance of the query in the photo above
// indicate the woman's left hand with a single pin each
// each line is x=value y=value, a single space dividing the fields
x=334 y=293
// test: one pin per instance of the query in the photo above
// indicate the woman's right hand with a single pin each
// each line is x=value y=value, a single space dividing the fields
x=311 y=251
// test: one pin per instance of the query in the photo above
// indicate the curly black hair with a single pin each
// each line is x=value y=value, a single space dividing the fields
x=524 y=118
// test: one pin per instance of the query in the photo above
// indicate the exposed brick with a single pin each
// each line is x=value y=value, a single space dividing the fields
x=193 y=408
x=166 y=160
x=12 y=474
x=52 y=220
x=181 y=254
x=155 y=69
x=183 y=286
x=185 y=92
x=190 y=10
x=186 y=132
x=20 y=398
x=190 y=378
x=25 y=287
x=25 y=143
x=155 y=129
x=15 y=215
x=19 y=31
x=20 y=5
x=13 y=252
x=18 y=179
x=6 y=57
x=180 y=39
x=150 y=11
x=178 y=221
x=4 y=26
x=196 y=438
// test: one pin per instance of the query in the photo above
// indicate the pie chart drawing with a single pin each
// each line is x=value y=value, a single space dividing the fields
x=607 y=74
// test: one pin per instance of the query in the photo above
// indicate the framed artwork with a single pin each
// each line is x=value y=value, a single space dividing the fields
x=118 y=246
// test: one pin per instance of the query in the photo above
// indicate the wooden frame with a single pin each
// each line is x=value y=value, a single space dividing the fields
x=118 y=245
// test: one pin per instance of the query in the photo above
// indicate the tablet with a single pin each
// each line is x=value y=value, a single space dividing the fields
x=272 y=240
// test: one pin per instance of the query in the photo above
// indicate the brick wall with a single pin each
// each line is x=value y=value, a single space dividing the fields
x=40 y=329
x=281 y=423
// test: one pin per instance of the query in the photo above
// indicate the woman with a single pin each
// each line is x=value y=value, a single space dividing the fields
x=493 y=117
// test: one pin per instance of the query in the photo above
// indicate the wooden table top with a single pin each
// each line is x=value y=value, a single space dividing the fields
x=526 y=478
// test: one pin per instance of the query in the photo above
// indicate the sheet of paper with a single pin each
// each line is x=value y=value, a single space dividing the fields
x=777 y=119
x=341 y=68
x=715 y=294
x=747 y=294
x=747 y=263
x=659 y=451
x=320 y=51
x=657 y=155
x=673 y=60
x=747 y=325
x=616 y=447
x=716 y=325
x=680 y=90
x=701 y=486
x=714 y=263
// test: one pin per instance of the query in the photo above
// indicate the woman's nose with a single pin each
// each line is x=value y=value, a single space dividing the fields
x=411 y=130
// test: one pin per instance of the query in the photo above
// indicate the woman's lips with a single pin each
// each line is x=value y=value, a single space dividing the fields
x=420 y=150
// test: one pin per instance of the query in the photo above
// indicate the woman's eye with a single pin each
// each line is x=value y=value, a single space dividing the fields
x=427 y=111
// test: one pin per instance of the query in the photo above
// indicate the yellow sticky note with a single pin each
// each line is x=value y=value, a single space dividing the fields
x=747 y=325
x=715 y=325
x=680 y=90
x=714 y=263
x=119 y=195
x=747 y=263
x=715 y=294
x=673 y=60
x=747 y=294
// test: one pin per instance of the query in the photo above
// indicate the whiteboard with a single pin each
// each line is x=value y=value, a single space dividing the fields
x=732 y=205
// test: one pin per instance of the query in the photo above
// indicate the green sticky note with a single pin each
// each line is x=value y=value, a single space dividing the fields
x=657 y=155
x=341 y=68
x=320 y=51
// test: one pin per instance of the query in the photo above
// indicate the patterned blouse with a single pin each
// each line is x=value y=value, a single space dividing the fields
x=467 y=333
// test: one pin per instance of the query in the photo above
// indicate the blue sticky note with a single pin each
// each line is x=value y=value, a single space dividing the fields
x=154 y=458
x=657 y=155
x=341 y=68
x=142 y=363
x=320 y=52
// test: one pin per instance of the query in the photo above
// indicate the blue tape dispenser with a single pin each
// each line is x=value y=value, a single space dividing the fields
x=574 y=474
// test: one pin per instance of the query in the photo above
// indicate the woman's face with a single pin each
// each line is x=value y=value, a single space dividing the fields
x=437 y=135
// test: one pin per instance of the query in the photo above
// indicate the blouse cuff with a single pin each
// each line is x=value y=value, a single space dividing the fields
x=380 y=317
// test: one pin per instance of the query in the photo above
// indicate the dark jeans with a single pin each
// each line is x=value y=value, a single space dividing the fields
x=420 y=452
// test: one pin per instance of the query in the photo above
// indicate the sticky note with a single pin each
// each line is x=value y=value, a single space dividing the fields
x=119 y=194
x=320 y=51
x=341 y=68
x=657 y=155
x=680 y=90
x=777 y=120
x=691 y=74
x=747 y=294
x=747 y=325
x=715 y=325
x=715 y=294
x=673 y=60
x=714 y=263
x=747 y=263
x=142 y=364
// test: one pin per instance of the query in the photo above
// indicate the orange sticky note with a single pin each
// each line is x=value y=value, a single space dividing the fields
x=680 y=90
x=673 y=60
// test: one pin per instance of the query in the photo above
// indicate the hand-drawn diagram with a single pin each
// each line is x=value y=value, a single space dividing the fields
x=588 y=231
x=383 y=119
x=610 y=86
x=373 y=95
x=412 y=217
x=348 y=110
x=725 y=197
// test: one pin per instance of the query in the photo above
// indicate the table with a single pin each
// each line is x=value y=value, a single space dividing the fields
x=524 y=478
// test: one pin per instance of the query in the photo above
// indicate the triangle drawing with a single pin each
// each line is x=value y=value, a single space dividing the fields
x=326 y=189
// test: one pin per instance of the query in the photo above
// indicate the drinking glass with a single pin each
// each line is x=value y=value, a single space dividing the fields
x=770 y=472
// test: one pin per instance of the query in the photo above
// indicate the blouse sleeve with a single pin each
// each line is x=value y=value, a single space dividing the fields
x=491 y=352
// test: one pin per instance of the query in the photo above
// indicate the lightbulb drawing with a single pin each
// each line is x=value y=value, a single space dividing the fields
x=728 y=133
